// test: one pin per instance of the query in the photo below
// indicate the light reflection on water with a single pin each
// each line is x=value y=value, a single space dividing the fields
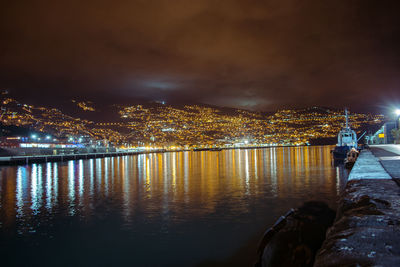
x=193 y=205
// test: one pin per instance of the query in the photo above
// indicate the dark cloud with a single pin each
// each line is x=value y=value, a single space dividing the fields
x=244 y=53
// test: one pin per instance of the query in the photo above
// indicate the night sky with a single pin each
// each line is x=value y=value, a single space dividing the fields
x=258 y=55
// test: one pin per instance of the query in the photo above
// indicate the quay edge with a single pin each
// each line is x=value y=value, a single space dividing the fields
x=366 y=231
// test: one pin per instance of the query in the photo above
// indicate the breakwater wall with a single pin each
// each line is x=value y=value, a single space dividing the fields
x=366 y=231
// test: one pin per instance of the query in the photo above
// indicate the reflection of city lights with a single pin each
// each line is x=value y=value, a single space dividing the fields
x=35 y=189
x=71 y=186
x=48 y=186
x=171 y=180
x=55 y=183
x=80 y=180
x=20 y=201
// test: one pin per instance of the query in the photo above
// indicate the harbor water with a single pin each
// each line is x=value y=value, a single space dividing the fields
x=162 y=209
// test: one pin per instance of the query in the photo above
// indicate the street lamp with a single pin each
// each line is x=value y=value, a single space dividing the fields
x=397 y=112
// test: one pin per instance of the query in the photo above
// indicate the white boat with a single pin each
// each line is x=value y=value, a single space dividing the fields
x=347 y=139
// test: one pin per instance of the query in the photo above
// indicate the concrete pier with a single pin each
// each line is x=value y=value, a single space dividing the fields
x=368 y=166
x=366 y=231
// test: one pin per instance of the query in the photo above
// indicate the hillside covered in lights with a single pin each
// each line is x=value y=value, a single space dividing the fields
x=166 y=125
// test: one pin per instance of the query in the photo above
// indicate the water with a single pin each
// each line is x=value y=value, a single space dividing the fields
x=181 y=208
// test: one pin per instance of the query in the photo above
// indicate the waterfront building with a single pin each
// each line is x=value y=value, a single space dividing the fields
x=383 y=135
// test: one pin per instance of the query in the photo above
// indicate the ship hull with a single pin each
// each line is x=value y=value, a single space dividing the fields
x=340 y=152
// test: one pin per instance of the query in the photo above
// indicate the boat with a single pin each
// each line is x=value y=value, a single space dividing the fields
x=351 y=158
x=347 y=139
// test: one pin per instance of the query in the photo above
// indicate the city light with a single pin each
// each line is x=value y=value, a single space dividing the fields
x=188 y=127
x=397 y=112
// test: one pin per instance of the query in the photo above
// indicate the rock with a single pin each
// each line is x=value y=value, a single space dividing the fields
x=295 y=238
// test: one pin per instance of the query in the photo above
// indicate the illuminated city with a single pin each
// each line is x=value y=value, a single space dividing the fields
x=200 y=133
x=187 y=127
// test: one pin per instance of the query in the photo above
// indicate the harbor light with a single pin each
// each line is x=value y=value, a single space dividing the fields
x=397 y=112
